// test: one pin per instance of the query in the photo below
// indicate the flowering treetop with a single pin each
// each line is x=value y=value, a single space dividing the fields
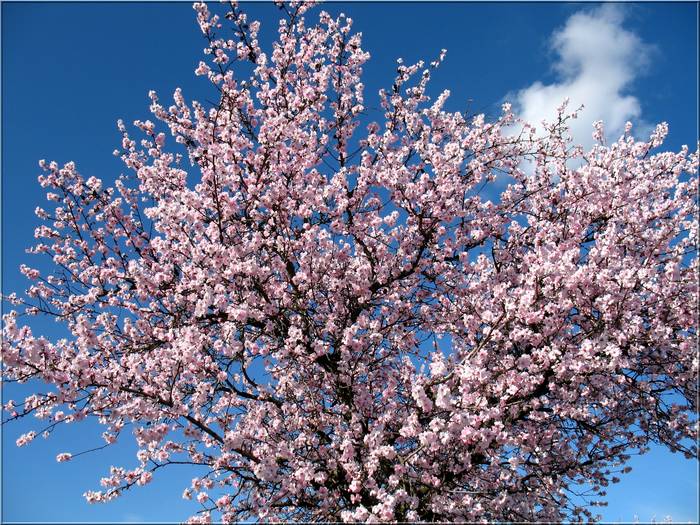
x=334 y=322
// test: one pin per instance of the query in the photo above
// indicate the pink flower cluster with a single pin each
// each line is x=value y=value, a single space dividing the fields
x=385 y=321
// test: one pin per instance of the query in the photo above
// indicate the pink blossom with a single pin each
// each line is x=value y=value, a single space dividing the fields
x=383 y=321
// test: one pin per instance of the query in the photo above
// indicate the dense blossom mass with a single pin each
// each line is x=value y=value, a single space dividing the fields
x=429 y=317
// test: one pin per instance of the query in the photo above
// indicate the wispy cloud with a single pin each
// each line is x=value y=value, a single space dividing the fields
x=132 y=517
x=596 y=61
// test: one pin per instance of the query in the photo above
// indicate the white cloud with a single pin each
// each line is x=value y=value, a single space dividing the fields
x=596 y=61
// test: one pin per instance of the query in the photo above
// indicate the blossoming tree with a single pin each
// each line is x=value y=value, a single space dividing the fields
x=331 y=319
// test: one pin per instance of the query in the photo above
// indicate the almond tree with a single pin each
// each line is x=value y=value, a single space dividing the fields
x=330 y=318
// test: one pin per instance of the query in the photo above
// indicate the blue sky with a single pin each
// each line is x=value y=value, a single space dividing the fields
x=70 y=70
